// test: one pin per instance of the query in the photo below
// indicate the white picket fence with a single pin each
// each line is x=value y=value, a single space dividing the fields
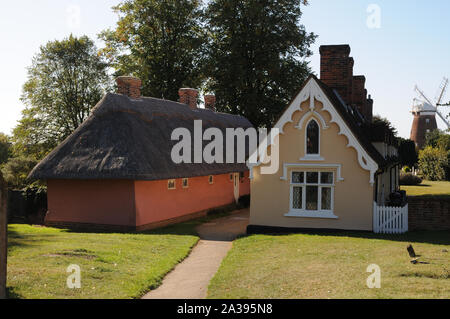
x=390 y=220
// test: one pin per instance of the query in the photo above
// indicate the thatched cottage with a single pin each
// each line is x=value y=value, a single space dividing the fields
x=116 y=169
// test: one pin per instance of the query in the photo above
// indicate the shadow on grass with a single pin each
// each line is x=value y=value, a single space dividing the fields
x=427 y=237
x=183 y=229
x=24 y=239
x=11 y=294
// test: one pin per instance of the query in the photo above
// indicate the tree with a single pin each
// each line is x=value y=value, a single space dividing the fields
x=407 y=152
x=5 y=148
x=16 y=171
x=440 y=139
x=256 y=56
x=432 y=162
x=160 y=42
x=65 y=81
x=378 y=120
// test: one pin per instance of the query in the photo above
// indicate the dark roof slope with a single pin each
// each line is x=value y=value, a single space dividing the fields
x=131 y=139
x=355 y=122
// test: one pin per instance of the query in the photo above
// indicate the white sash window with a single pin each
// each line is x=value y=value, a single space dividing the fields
x=312 y=194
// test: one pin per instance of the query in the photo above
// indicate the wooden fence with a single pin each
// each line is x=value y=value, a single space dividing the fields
x=390 y=220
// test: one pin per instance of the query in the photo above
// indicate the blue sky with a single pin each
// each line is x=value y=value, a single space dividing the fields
x=411 y=46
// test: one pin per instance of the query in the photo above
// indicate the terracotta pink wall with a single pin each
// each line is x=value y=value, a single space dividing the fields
x=154 y=202
x=103 y=202
x=136 y=203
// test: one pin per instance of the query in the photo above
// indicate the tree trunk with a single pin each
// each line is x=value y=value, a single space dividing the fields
x=3 y=237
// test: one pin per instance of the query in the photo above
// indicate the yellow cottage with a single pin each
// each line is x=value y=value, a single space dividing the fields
x=337 y=167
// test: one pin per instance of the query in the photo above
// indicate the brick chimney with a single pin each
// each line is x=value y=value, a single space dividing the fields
x=359 y=92
x=336 y=69
x=189 y=97
x=368 y=109
x=129 y=86
x=210 y=102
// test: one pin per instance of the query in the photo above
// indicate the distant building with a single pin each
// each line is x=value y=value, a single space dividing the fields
x=424 y=122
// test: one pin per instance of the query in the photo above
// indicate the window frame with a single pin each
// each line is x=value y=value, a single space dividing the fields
x=303 y=212
x=310 y=156
x=174 y=184
x=318 y=139
x=187 y=182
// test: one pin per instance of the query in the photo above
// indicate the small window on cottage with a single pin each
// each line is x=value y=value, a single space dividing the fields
x=231 y=177
x=185 y=182
x=427 y=121
x=312 y=138
x=241 y=175
x=211 y=179
x=171 y=184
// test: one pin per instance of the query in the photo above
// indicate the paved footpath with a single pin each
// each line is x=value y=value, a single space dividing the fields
x=190 y=278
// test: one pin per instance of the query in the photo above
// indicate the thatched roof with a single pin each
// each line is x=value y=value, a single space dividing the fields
x=131 y=139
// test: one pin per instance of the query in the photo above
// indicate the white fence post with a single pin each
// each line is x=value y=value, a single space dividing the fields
x=390 y=220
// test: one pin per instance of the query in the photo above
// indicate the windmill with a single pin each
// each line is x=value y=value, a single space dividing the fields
x=425 y=111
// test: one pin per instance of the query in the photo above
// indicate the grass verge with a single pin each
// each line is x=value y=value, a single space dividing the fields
x=429 y=189
x=112 y=265
x=334 y=266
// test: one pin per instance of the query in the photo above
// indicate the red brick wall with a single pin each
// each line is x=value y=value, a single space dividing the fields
x=428 y=213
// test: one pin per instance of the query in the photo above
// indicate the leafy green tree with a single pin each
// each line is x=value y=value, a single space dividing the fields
x=407 y=152
x=440 y=139
x=256 y=56
x=5 y=148
x=16 y=170
x=378 y=120
x=65 y=81
x=432 y=162
x=159 y=41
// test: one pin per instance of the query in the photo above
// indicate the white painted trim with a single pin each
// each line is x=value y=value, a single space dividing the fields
x=312 y=114
x=312 y=158
x=338 y=168
x=174 y=184
x=312 y=91
x=306 y=139
x=303 y=212
x=311 y=214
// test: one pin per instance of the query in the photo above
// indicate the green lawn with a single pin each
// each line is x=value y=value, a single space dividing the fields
x=428 y=188
x=112 y=265
x=334 y=266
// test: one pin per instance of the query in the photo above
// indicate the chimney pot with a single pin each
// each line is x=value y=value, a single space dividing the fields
x=189 y=96
x=129 y=86
x=210 y=102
